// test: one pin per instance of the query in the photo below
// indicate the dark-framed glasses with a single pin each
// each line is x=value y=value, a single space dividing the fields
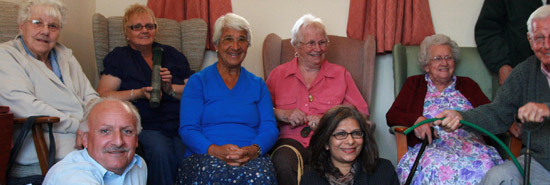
x=344 y=135
x=312 y=44
x=37 y=23
x=137 y=27
x=242 y=41
x=440 y=58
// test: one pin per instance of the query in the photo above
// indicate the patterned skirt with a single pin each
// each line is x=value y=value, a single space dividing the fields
x=207 y=169
x=459 y=157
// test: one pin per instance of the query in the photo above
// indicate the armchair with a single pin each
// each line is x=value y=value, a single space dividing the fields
x=188 y=37
x=405 y=64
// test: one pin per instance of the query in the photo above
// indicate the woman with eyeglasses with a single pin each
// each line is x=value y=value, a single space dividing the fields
x=459 y=157
x=227 y=120
x=302 y=91
x=344 y=152
x=41 y=76
x=127 y=76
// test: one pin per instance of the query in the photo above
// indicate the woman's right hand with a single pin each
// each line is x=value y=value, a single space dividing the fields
x=146 y=92
x=295 y=117
x=423 y=131
x=229 y=153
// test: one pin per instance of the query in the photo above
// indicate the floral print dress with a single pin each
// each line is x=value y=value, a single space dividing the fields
x=459 y=157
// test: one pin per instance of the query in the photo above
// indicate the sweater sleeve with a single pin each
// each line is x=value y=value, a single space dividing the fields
x=495 y=117
x=268 y=132
x=191 y=111
x=408 y=106
x=404 y=111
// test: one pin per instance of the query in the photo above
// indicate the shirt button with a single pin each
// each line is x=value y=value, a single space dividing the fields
x=306 y=104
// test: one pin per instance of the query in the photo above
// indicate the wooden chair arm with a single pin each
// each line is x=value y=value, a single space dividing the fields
x=40 y=120
x=39 y=139
x=515 y=145
x=400 y=140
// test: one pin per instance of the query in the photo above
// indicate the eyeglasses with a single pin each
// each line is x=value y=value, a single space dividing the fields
x=138 y=27
x=344 y=135
x=39 y=24
x=440 y=59
x=242 y=41
x=312 y=44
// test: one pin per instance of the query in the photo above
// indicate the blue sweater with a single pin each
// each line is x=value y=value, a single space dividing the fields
x=212 y=114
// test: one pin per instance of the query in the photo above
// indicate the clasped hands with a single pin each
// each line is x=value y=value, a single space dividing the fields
x=232 y=154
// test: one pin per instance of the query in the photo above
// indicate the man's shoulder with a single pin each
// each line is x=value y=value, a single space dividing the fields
x=73 y=168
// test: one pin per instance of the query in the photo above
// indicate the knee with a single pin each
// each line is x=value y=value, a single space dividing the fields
x=502 y=174
x=284 y=158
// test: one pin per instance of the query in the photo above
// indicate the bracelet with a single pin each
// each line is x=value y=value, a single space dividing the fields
x=132 y=95
x=259 y=149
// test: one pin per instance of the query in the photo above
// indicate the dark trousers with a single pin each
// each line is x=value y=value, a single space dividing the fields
x=286 y=163
x=163 y=156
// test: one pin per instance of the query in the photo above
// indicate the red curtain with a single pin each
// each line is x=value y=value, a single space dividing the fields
x=390 y=21
x=207 y=10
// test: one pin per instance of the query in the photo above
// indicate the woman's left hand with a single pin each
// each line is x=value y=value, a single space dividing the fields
x=166 y=78
x=313 y=121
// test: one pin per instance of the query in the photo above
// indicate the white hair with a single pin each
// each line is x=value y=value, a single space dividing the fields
x=52 y=8
x=541 y=12
x=84 y=127
x=233 y=21
x=305 y=21
x=437 y=39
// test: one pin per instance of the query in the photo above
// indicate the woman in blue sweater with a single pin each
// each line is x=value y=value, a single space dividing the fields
x=227 y=121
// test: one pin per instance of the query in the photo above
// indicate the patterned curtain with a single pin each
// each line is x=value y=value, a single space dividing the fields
x=207 y=10
x=390 y=21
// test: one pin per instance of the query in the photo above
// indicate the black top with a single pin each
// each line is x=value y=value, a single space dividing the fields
x=501 y=32
x=128 y=65
x=383 y=174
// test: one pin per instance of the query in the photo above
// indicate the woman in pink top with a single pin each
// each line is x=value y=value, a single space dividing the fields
x=302 y=90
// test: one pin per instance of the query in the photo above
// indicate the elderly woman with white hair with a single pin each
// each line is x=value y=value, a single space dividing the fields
x=302 y=91
x=42 y=77
x=227 y=121
x=459 y=157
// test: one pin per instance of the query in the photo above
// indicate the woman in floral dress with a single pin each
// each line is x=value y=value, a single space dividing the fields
x=459 y=157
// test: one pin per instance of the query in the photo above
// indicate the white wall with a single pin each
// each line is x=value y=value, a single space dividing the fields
x=450 y=17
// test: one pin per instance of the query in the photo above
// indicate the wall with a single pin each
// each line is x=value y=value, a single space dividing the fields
x=450 y=17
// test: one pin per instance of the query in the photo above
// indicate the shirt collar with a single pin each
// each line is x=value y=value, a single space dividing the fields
x=433 y=88
x=135 y=161
x=324 y=71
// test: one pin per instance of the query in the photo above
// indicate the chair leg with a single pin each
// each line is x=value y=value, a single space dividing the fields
x=41 y=147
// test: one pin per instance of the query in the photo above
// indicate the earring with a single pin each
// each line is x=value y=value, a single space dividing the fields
x=127 y=38
x=296 y=55
x=216 y=51
x=326 y=147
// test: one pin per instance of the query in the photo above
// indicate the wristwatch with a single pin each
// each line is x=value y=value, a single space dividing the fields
x=259 y=149
x=172 y=93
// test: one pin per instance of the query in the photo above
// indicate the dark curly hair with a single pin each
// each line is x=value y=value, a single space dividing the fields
x=320 y=158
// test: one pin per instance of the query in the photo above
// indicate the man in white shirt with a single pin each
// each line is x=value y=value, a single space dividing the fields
x=110 y=136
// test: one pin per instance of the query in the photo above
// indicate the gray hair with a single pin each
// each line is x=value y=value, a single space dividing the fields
x=233 y=21
x=52 y=8
x=541 y=12
x=437 y=39
x=305 y=21
x=84 y=127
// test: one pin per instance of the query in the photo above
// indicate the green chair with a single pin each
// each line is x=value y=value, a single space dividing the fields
x=405 y=64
